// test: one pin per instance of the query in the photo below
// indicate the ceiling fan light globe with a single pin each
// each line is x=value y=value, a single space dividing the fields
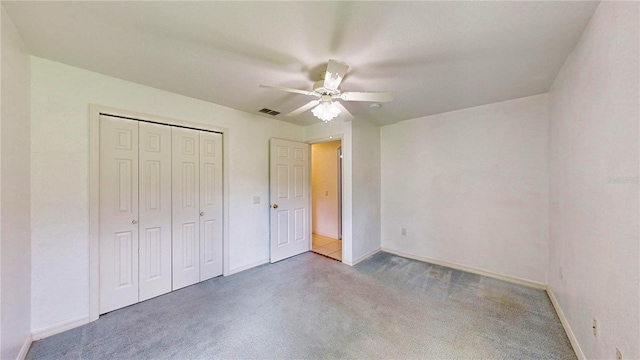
x=326 y=111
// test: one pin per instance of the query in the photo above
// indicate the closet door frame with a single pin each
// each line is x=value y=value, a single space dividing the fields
x=94 y=190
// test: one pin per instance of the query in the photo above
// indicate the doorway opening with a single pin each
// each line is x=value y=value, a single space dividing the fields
x=326 y=199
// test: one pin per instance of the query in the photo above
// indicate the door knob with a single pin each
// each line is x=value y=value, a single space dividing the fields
x=275 y=206
x=201 y=213
x=134 y=221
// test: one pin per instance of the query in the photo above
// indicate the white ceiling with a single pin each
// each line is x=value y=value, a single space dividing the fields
x=437 y=56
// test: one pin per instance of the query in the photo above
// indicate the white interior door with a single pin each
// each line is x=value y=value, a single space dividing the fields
x=154 y=210
x=118 y=213
x=210 y=205
x=185 y=207
x=289 y=195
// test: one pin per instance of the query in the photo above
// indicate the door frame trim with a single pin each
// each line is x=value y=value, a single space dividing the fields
x=94 y=190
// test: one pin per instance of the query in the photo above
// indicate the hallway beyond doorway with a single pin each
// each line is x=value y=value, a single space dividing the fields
x=327 y=246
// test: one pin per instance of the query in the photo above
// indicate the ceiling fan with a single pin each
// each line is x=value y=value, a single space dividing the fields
x=327 y=91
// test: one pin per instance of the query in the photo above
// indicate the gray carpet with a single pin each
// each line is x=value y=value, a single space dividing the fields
x=311 y=307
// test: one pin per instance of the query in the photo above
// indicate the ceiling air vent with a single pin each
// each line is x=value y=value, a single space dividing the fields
x=269 y=111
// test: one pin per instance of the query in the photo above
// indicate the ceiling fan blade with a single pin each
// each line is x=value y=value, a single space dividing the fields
x=304 y=108
x=335 y=73
x=344 y=113
x=280 y=88
x=382 y=96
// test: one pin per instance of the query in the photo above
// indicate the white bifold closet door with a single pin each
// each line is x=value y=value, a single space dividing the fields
x=118 y=213
x=210 y=205
x=186 y=207
x=154 y=228
x=160 y=209
x=197 y=206
x=135 y=212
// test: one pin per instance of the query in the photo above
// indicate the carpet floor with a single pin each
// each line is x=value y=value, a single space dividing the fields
x=312 y=307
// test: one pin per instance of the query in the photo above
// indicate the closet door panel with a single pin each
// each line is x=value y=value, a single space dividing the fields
x=155 y=210
x=185 y=202
x=210 y=205
x=118 y=213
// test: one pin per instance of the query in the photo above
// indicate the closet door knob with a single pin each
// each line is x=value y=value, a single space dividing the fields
x=134 y=221
x=201 y=213
x=275 y=206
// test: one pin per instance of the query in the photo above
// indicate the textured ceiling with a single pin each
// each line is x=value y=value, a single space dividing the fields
x=437 y=56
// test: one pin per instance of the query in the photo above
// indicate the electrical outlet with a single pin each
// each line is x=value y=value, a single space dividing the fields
x=618 y=354
x=326 y=193
x=404 y=231
x=595 y=327
x=561 y=273
x=256 y=199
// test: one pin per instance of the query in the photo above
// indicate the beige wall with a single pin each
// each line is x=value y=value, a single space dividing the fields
x=324 y=188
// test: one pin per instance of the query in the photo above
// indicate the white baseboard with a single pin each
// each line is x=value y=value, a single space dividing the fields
x=565 y=324
x=59 y=327
x=247 y=267
x=333 y=236
x=363 y=257
x=487 y=273
x=25 y=347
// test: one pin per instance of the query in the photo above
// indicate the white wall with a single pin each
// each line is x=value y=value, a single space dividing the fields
x=59 y=170
x=15 y=239
x=324 y=188
x=470 y=187
x=594 y=171
x=366 y=193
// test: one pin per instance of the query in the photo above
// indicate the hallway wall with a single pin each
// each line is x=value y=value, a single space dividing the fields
x=324 y=188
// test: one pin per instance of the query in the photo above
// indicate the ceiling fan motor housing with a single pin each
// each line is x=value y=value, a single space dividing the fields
x=319 y=88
